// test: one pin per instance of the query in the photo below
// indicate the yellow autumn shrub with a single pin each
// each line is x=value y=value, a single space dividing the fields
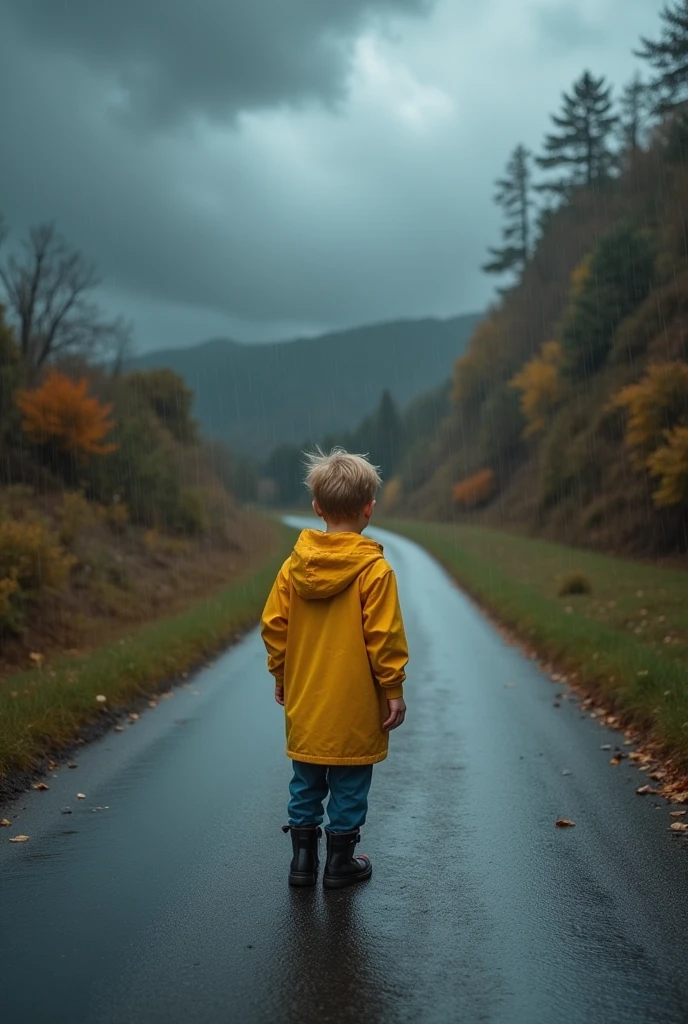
x=540 y=386
x=657 y=403
x=670 y=464
x=475 y=370
x=31 y=561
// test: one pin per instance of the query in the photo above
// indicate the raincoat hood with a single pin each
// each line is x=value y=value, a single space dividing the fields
x=324 y=564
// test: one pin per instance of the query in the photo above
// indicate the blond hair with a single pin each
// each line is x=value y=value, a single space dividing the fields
x=341 y=483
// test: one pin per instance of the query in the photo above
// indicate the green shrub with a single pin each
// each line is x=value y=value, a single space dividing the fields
x=76 y=516
x=143 y=473
x=501 y=425
x=575 y=583
x=190 y=516
x=617 y=279
x=166 y=394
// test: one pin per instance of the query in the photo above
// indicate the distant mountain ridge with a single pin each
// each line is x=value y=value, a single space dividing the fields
x=257 y=396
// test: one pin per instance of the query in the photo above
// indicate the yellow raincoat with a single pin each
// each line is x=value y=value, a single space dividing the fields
x=335 y=639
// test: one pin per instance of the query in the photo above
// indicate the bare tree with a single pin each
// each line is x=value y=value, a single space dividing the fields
x=122 y=345
x=48 y=287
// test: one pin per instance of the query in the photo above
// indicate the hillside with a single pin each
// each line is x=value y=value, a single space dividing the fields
x=257 y=396
x=569 y=410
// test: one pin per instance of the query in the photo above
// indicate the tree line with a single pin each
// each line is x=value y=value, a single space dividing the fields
x=569 y=409
x=592 y=139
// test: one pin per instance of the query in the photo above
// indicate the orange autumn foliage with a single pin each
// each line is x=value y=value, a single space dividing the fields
x=61 y=411
x=474 y=490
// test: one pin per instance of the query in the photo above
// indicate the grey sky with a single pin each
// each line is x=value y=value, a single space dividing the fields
x=285 y=166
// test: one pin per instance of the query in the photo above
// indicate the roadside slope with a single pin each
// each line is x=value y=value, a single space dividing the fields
x=45 y=710
x=625 y=640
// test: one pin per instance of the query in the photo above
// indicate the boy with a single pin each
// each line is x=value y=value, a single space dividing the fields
x=335 y=639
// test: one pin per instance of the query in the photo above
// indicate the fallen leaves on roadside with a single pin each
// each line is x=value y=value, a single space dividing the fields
x=101 y=698
x=677 y=826
x=5 y=823
x=647 y=791
x=617 y=759
x=564 y=823
x=37 y=658
x=606 y=746
x=41 y=785
x=133 y=715
x=674 y=814
x=52 y=766
x=25 y=839
x=119 y=728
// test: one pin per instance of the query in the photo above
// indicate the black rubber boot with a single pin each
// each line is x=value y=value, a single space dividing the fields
x=342 y=867
x=304 y=863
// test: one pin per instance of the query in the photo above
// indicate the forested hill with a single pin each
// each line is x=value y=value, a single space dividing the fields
x=257 y=396
x=569 y=410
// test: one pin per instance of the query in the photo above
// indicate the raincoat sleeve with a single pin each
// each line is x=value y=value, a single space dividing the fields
x=274 y=625
x=383 y=630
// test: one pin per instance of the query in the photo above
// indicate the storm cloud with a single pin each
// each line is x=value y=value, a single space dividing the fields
x=171 y=58
x=284 y=166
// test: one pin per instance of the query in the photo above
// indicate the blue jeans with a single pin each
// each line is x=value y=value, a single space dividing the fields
x=348 y=786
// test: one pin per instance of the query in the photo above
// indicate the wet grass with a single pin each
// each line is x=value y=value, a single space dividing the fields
x=627 y=639
x=42 y=711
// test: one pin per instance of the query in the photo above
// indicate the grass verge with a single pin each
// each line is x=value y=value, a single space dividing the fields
x=625 y=640
x=44 y=710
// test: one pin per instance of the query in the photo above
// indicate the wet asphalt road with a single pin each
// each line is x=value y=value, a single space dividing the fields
x=170 y=904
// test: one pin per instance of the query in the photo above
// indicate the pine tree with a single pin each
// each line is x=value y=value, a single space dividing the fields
x=582 y=145
x=635 y=107
x=389 y=434
x=611 y=284
x=513 y=195
x=669 y=57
